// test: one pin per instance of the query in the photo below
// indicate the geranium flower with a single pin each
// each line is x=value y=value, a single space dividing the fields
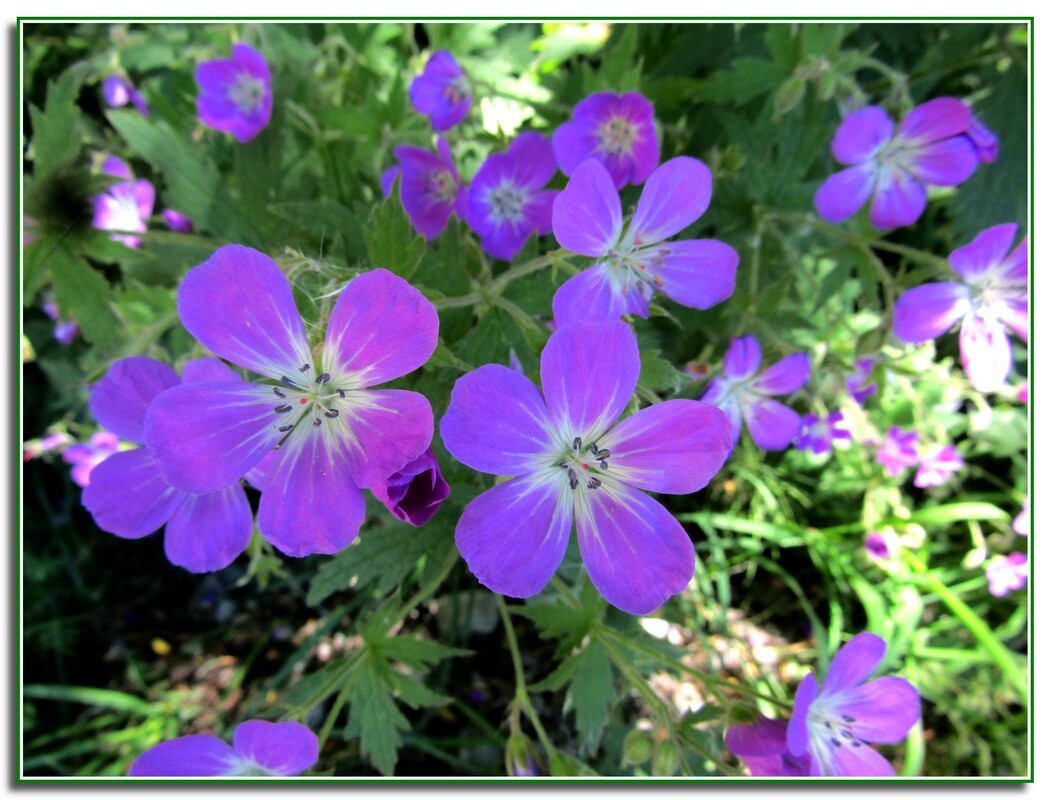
x=235 y=93
x=123 y=206
x=636 y=262
x=86 y=456
x=616 y=129
x=745 y=393
x=993 y=297
x=932 y=147
x=118 y=91
x=129 y=497
x=986 y=145
x=858 y=381
x=833 y=723
x=898 y=450
x=818 y=433
x=65 y=330
x=332 y=432
x=571 y=461
x=506 y=201
x=441 y=91
x=259 y=748
x=179 y=223
x=936 y=467
x=431 y=191
x=35 y=448
x=414 y=493
x=1007 y=573
x=763 y=747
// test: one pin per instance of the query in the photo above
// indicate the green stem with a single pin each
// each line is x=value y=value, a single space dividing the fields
x=431 y=586
x=528 y=268
x=521 y=693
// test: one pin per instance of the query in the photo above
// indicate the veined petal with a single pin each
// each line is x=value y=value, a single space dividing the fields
x=850 y=762
x=898 y=200
x=936 y=119
x=975 y=260
x=861 y=134
x=497 y=421
x=674 y=447
x=380 y=329
x=985 y=352
x=1016 y=265
x=128 y=496
x=926 y=312
x=854 y=662
x=207 y=369
x=718 y=395
x=698 y=273
x=788 y=375
x=798 y=732
x=206 y=435
x=946 y=163
x=764 y=737
x=675 y=195
x=883 y=710
x=188 y=756
x=281 y=748
x=742 y=358
x=119 y=401
x=588 y=372
x=587 y=217
x=381 y=431
x=592 y=296
x=636 y=553
x=310 y=502
x=513 y=536
x=206 y=532
x=772 y=425
x=843 y=193
x=239 y=305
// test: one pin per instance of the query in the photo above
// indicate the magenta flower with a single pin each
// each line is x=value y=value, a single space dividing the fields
x=993 y=297
x=506 y=201
x=570 y=460
x=833 y=723
x=65 y=330
x=179 y=223
x=333 y=434
x=123 y=206
x=745 y=393
x=931 y=148
x=882 y=544
x=1020 y=524
x=936 y=467
x=35 y=448
x=129 y=497
x=235 y=94
x=431 y=191
x=616 y=129
x=414 y=493
x=118 y=91
x=898 y=451
x=442 y=91
x=858 y=381
x=85 y=457
x=259 y=749
x=763 y=747
x=637 y=261
x=1007 y=573
x=818 y=433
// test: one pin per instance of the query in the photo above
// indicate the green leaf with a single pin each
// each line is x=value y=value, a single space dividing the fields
x=560 y=620
x=591 y=695
x=746 y=79
x=958 y=512
x=391 y=240
x=90 y=696
x=56 y=129
x=659 y=374
x=414 y=694
x=34 y=268
x=416 y=653
x=822 y=39
x=84 y=294
x=374 y=716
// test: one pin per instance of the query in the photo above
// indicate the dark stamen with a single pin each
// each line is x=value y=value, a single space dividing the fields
x=291 y=384
x=563 y=464
x=279 y=393
x=855 y=743
x=304 y=368
x=848 y=719
x=317 y=421
x=342 y=394
x=603 y=464
x=576 y=442
x=593 y=448
x=283 y=408
x=594 y=483
x=573 y=483
x=601 y=455
x=837 y=743
x=332 y=413
x=324 y=377
x=286 y=428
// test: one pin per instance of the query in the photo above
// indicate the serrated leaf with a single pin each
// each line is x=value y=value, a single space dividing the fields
x=56 y=139
x=34 y=268
x=391 y=240
x=414 y=694
x=659 y=374
x=562 y=621
x=83 y=294
x=314 y=688
x=375 y=718
x=590 y=696
x=745 y=79
x=416 y=653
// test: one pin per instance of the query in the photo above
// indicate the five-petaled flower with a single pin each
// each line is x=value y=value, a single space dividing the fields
x=123 y=206
x=818 y=433
x=637 y=261
x=1007 y=573
x=616 y=129
x=441 y=91
x=506 y=201
x=431 y=190
x=129 y=497
x=235 y=93
x=570 y=460
x=933 y=146
x=993 y=297
x=745 y=393
x=259 y=749
x=897 y=452
x=833 y=723
x=937 y=465
x=332 y=432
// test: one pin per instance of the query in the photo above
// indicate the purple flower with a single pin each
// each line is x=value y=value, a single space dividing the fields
x=128 y=495
x=616 y=129
x=570 y=460
x=763 y=747
x=37 y=447
x=832 y=723
x=994 y=296
x=387 y=179
x=431 y=191
x=414 y=493
x=260 y=749
x=1020 y=524
x=442 y=91
x=235 y=93
x=637 y=261
x=118 y=91
x=506 y=201
x=858 y=381
x=123 y=206
x=930 y=148
x=332 y=433
x=744 y=394
x=882 y=544
x=984 y=140
x=85 y=457
x=898 y=450
x=1007 y=573
x=179 y=223
x=817 y=433
x=936 y=467
x=65 y=330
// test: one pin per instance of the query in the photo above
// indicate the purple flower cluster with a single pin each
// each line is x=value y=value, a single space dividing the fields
x=235 y=95
x=442 y=92
x=123 y=206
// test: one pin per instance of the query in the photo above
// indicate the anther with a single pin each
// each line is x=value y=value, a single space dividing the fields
x=317 y=421
x=563 y=464
x=291 y=384
x=342 y=394
x=594 y=483
x=603 y=464
x=848 y=718
x=332 y=413
x=304 y=368
x=601 y=455
x=284 y=408
x=576 y=442
x=324 y=377
x=593 y=448
x=837 y=743
x=279 y=393
x=286 y=428
x=855 y=743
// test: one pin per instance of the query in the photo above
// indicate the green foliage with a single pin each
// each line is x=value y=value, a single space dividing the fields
x=391 y=241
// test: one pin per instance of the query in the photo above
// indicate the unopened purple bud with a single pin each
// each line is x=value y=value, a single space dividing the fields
x=415 y=492
x=179 y=223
